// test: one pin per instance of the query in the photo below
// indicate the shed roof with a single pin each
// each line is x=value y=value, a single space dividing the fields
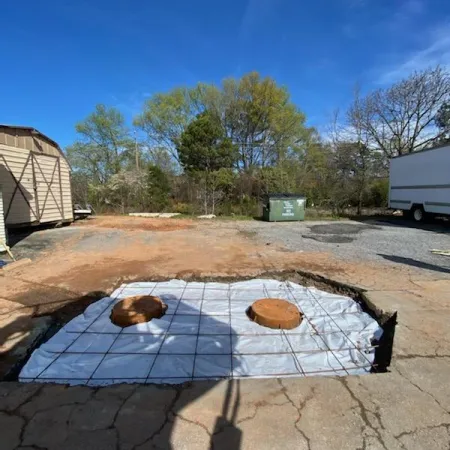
x=36 y=132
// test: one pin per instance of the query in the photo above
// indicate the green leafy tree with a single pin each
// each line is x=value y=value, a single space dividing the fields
x=158 y=188
x=260 y=118
x=80 y=188
x=442 y=121
x=203 y=150
x=123 y=191
x=351 y=161
x=311 y=170
x=102 y=145
x=275 y=179
x=203 y=146
x=161 y=158
x=165 y=116
x=255 y=113
x=89 y=160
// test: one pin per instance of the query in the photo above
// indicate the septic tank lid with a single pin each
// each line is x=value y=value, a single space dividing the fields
x=137 y=309
x=275 y=313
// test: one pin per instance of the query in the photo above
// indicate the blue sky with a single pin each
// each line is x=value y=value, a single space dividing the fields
x=60 y=58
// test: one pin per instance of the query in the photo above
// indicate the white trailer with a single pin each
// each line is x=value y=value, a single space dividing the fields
x=419 y=183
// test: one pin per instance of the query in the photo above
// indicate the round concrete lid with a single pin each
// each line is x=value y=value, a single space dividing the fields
x=137 y=309
x=275 y=313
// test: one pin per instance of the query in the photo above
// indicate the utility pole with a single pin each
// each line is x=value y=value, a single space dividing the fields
x=136 y=150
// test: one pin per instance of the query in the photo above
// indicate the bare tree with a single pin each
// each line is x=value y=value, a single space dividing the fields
x=353 y=162
x=400 y=119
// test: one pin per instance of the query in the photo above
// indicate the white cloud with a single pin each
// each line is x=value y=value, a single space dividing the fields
x=435 y=52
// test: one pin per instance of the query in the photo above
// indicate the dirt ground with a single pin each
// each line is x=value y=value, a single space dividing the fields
x=133 y=223
x=99 y=254
x=72 y=266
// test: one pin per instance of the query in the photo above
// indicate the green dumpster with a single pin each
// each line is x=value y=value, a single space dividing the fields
x=284 y=207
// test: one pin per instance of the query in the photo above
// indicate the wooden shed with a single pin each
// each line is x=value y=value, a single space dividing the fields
x=34 y=178
x=2 y=223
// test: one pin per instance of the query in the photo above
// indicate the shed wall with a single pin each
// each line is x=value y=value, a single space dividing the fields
x=66 y=189
x=43 y=192
x=2 y=223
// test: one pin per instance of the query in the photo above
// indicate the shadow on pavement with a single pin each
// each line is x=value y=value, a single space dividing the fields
x=161 y=402
x=415 y=263
x=13 y=357
x=435 y=225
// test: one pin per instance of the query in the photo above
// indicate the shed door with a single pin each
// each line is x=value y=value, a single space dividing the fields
x=47 y=172
x=17 y=179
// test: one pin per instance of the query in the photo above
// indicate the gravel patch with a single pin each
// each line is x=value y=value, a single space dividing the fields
x=97 y=240
x=341 y=228
x=31 y=242
x=386 y=242
x=330 y=239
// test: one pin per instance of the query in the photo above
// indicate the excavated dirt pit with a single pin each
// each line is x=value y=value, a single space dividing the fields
x=206 y=334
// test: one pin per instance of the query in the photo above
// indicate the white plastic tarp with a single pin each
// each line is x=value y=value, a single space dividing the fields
x=206 y=334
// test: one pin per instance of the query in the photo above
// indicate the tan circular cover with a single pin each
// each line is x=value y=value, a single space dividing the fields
x=275 y=313
x=137 y=309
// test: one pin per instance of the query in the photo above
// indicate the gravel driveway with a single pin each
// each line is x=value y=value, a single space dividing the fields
x=394 y=241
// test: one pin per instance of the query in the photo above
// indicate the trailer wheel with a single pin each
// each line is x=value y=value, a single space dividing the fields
x=417 y=213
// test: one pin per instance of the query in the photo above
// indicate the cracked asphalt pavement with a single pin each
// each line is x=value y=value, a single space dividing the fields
x=386 y=411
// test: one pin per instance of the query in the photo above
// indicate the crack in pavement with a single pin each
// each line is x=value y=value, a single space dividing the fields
x=16 y=413
x=363 y=413
x=34 y=447
x=422 y=390
x=431 y=427
x=113 y=422
x=38 y=392
x=29 y=398
x=298 y=409
x=197 y=423
x=258 y=406
x=167 y=419
x=412 y=356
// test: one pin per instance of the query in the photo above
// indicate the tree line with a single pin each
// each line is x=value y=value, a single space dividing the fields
x=220 y=148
